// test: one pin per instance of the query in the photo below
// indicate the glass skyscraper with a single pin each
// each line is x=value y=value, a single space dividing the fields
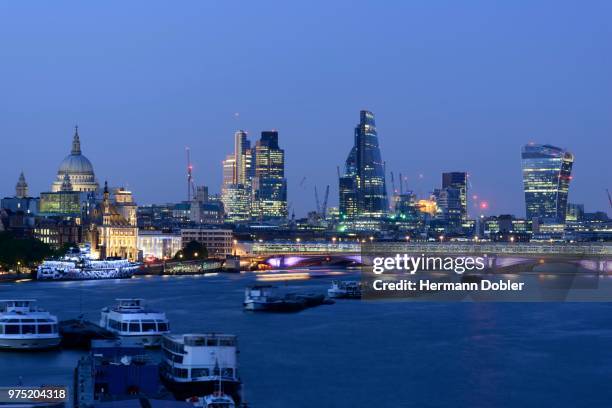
x=236 y=193
x=362 y=188
x=269 y=182
x=457 y=180
x=546 y=178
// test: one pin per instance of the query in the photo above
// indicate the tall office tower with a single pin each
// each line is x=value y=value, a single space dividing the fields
x=546 y=178
x=458 y=180
x=236 y=192
x=449 y=207
x=229 y=165
x=269 y=182
x=242 y=150
x=362 y=188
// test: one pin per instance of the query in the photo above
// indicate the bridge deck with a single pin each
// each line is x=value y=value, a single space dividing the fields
x=459 y=248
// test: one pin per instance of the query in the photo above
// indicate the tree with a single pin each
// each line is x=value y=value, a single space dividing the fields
x=193 y=250
x=25 y=251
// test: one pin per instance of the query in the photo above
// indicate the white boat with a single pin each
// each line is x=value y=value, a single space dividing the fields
x=345 y=290
x=79 y=265
x=130 y=319
x=216 y=400
x=200 y=364
x=24 y=326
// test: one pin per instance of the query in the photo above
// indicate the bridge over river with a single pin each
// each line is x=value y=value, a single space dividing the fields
x=501 y=255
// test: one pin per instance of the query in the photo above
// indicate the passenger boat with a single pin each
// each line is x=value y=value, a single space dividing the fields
x=24 y=326
x=266 y=298
x=79 y=265
x=129 y=318
x=216 y=400
x=200 y=364
x=345 y=290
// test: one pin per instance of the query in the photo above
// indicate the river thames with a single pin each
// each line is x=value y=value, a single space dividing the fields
x=358 y=353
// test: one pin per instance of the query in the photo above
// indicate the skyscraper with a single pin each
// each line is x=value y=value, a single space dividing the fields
x=362 y=188
x=269 y=182
x=546 y=178
x=457 y=180
x=237 y=169
x=242 y=158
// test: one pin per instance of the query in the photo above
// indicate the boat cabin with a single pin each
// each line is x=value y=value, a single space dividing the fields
x=21 y=317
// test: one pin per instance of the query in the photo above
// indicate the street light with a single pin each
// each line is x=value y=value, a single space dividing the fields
x=441 y=238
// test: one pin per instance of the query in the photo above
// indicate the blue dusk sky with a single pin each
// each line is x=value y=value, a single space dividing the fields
x=454 y=85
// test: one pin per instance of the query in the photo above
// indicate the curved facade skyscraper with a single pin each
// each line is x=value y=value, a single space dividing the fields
x=362 y=188
x=546 y=177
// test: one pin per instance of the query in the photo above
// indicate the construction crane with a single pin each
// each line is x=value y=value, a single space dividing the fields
x=324 y=206
x=609 y=197
x=401 y=182
x=190 y=183
x=321 y=208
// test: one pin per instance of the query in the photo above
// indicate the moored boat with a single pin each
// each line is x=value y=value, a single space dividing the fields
x=216 y=400
x=24 y=326
x=129 y=318
x=194 y=365
x=78 y=264
x=345 y=290
x=266 y=298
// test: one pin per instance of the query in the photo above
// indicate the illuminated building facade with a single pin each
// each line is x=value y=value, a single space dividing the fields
x=236 y=191
x=269 y=182
x=114 y=226
x=362 y=188
x=218 y=242
x=546 y=178
x=158 y=244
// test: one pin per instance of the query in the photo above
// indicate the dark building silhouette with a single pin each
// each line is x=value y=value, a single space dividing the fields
x=458 y=181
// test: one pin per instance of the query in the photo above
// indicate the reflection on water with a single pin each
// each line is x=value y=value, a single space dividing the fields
x=357 y=353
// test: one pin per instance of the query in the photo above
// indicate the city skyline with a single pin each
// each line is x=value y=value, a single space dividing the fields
x=140 y=103
x=473 y=207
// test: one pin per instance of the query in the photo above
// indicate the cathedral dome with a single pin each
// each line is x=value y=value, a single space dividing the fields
x=76 y=164
x=76 y=169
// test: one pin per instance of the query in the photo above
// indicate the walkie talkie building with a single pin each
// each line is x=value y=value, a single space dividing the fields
x=546 y=178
